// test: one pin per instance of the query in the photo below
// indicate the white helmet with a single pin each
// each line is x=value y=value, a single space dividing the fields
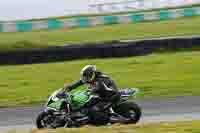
x=88 y=73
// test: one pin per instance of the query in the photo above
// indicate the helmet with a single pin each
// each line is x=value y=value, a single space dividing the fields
x=88 y=73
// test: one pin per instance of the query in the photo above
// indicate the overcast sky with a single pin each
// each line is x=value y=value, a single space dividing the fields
x=27 y=9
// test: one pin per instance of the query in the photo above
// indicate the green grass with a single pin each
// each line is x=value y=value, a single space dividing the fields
x=174 y=127
x=45 y=38
x=158 y=75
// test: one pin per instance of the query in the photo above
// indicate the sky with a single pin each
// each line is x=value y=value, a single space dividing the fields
x=31 y=9
x=28 y=9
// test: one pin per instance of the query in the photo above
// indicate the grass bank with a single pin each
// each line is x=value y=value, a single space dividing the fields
x=45 y=38
x=158 y=75
x=174 y=127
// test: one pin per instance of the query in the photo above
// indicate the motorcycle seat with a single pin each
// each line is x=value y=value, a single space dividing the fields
x=128 y=91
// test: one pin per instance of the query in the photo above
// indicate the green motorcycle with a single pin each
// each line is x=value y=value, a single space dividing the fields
x=67 y=109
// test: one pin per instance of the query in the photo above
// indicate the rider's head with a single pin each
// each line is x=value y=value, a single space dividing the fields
x=88 y=73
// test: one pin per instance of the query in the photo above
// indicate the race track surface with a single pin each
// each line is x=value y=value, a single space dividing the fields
x=157 y=110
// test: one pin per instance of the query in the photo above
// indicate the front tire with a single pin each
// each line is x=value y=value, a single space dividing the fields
x=129 y=110
x=44 y=120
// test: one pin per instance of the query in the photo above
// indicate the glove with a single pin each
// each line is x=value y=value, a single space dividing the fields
x=62 y=95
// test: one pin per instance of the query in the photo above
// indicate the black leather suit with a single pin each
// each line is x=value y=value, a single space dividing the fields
x=105 y=88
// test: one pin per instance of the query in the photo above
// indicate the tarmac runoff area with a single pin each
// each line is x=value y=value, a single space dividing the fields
x=157 y=110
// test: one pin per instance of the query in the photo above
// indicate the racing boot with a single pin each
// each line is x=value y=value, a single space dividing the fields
x=117 y=118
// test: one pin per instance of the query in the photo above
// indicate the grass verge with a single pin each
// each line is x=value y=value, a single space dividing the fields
x=174 y=127
x=158 y=75
x=45 y=38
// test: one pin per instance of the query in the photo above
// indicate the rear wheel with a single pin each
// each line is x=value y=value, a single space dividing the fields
x=129 y=110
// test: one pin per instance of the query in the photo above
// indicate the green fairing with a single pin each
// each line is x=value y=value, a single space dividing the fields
x=57 y=104
x=80 y=97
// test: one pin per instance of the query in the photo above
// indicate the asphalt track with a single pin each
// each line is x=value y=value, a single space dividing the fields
x=157 y=110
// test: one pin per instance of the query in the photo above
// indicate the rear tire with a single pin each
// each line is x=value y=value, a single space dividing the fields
x=129 y=110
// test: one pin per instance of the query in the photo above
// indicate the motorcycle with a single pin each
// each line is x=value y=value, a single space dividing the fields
x=67 y=109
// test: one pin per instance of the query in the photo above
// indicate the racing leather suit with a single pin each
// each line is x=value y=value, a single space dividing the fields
x=104 y=87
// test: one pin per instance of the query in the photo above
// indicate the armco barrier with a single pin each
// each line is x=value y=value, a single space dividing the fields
x=100 y=50
x=99 y=20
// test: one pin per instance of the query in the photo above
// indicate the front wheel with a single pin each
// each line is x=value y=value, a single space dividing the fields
x=129 y=110
x=44 y=120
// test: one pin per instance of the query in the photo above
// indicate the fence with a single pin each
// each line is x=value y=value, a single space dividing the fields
x=99 y=20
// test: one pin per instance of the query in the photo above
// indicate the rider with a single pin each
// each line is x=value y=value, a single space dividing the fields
x=101 y=85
